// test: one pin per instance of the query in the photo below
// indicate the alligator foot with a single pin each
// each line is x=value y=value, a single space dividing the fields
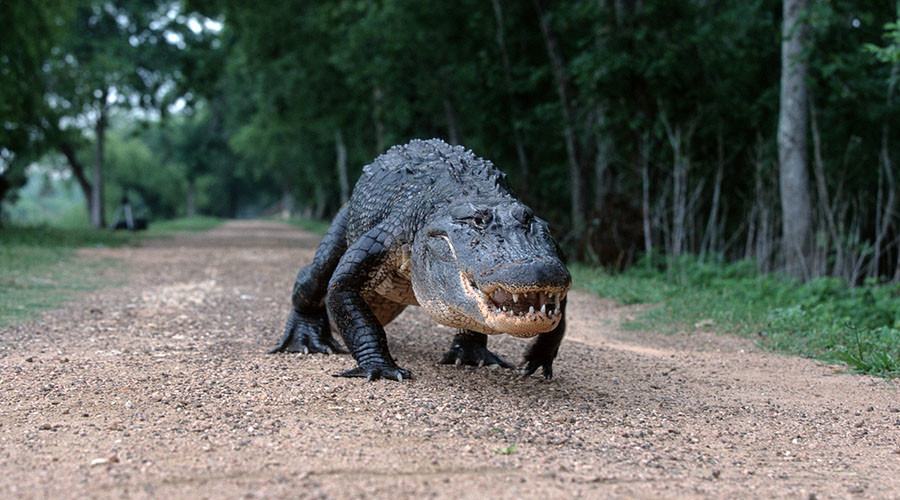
x=375 y=371
x=538 y=358
x=308 y=333
x=470 y=348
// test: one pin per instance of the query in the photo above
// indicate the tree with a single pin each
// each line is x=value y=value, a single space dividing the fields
x=793 y=130
x=123 y=54
x=28 y=32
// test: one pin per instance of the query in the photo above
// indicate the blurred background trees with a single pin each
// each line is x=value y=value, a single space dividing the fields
x=636 y=127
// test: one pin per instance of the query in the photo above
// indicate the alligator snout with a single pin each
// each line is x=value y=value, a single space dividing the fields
x=540 y=275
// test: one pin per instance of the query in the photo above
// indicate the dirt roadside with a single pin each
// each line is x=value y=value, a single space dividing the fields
x=161 y=389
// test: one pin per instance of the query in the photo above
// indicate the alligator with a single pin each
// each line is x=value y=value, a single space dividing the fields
x=432 y=225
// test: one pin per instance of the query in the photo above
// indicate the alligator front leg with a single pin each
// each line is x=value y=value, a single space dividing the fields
x=542 y=352
x=470 y=348
x=358 y=325
x=307 y=328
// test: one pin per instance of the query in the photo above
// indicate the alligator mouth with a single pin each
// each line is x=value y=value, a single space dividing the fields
x=522 y=312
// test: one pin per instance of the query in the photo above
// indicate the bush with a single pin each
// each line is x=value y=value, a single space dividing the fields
x=824 y=318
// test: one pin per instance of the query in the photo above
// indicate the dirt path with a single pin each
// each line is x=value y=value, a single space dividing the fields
x=162 y=389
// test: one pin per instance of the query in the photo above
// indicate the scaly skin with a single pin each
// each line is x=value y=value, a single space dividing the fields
x=432 y=225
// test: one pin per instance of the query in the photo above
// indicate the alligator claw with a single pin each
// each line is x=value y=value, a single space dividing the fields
x=308 y=334
x=377 y=371
x=472 y=355
x=528 y=369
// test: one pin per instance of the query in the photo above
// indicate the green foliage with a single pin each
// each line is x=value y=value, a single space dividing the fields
x=890 y=53
x=823 y=318
x=39 y=267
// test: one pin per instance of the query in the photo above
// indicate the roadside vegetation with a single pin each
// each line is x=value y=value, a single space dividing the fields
x=822 y=318
x=312 y=225
x=40 y=268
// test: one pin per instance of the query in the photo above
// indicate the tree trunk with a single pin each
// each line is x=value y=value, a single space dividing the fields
x=710 y=236
x=287 y=201
x=191 y=209
x=888 y=168
x=603 y=161
x=822 y=189
x=508 y=80
x=453 y=134
x=605 y=146
x=77 y=171
x=792 y=140
x=98 y=214
x=4 y=188
x=341 y=153
x=645 y=193
x=562 y=88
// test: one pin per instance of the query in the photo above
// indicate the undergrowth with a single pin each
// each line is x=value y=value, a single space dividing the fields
x=823 y=319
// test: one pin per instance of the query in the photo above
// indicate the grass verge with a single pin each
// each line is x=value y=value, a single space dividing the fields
x=39 y=267
x=822 y=319
x=171 y=227
x=311 y=225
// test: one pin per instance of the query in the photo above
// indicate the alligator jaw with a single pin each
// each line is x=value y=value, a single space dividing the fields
x=522 y=312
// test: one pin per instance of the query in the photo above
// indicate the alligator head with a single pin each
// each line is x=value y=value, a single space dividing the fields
x=491 y=267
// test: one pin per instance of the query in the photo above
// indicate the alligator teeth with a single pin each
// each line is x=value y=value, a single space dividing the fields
x=530 y=309
x=504 y=308
x=544 y=308
x=515 y=297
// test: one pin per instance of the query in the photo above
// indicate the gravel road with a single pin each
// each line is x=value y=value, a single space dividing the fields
x=161 y=388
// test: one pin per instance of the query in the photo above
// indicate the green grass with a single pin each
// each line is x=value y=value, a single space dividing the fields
x=822 y=319
x=311 y=225
x=183 y=225
x=39 y=267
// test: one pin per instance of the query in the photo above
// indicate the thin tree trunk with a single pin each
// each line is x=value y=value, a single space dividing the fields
x=603 y=160
x=287 y=201
x=191 y=209
x=377 y=106
x=562 y=88
x=822 y=187
x=508 y=80
x=710 y=237
x=4 y=188
x=341 y=153
x=645 y=192
x=98 y=214
x=680 y=167
x=792 y=140
x=888 y=169
x=77 y=171
x=453 y=133
x=605 y=146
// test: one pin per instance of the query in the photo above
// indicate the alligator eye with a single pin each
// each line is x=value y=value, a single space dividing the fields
x=480 y=220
